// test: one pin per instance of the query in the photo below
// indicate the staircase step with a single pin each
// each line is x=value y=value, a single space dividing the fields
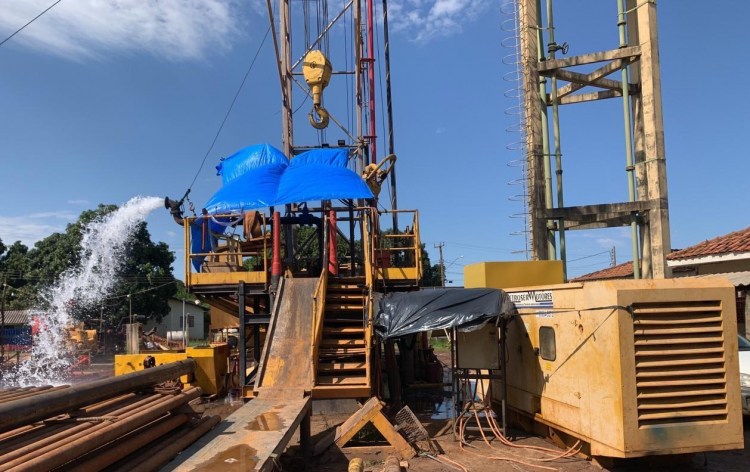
x=342 y=330
x=344 y=297
x=342 y=380
x=343 y=343
x=341 y=366
x=338 y=353
x=334 y=307
x=352 y=280
x=339 y=319
x=341 y=391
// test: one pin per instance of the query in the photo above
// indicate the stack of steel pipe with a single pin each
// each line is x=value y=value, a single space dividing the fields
x=121 y=423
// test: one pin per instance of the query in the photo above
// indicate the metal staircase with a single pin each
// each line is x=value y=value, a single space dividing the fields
x=342 y=366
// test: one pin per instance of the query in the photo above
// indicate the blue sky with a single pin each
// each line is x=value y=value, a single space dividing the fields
x=101 y=103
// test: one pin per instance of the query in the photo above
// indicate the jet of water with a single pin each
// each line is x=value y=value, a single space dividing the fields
x=103 y=247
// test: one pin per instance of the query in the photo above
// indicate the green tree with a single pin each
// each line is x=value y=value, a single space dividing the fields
x=145 y=271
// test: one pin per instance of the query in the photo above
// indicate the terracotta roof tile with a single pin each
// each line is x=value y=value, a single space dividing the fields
x=620 y=271
x=738 y=241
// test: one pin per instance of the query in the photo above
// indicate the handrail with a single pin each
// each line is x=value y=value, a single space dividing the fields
x=319 y=303
x=235 y=251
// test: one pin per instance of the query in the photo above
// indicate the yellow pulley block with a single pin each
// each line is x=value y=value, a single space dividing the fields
x=317 y=71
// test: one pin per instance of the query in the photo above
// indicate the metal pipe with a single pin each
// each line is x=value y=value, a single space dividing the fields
x=371 y=77
x=630 y=168
x=48 y=404
x=389 y=110
x=548 y=202
x=276 y=265
x=141 y=438
x=61 y=455
x=67 y=433
x=163 y=453
x=242 y=348
x=556 y=132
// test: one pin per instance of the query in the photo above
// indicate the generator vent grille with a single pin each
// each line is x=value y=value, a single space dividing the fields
x=680 y=371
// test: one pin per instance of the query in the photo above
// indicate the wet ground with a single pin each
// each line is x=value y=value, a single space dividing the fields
x=432 y=408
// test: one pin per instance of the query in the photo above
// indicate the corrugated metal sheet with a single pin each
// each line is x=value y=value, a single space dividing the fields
x=17 y=317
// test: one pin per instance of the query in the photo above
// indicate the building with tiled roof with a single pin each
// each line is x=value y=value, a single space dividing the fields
x=724 y=256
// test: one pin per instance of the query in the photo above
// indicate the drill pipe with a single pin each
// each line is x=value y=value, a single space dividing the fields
x=30 y=393
x=61 y=455
x=160 y=454
x=143 y=437
x=28 y=410
x=68 y=432
x=16 y=438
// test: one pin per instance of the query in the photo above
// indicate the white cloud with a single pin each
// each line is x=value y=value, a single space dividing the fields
x=32 y=228
x=171 y=234
x=424 y=20
x=440 y=130
x=79 y=201
x=176 y=29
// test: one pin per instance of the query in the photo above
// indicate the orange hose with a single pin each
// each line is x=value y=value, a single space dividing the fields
x=497 y=458
x=454 y=462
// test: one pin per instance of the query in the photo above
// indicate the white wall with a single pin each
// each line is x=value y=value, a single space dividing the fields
x=172 y=322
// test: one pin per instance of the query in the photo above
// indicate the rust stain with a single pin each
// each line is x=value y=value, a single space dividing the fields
x=266 y=422
x=236 y=458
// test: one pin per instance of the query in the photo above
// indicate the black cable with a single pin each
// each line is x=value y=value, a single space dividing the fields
x=32 y=20
x=230 y=108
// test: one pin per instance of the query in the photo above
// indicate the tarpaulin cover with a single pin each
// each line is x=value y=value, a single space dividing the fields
x=261 y=176
x=250 y=179
x=466 y=309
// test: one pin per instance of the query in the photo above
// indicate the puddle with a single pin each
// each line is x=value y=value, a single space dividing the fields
x=240 y=457
x=266 y=422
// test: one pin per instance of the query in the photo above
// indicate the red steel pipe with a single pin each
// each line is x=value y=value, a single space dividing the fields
x=276 y=266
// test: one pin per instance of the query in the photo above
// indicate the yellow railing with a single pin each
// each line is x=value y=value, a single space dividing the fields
x=406 y=244
x=319 y=304
x=227 y=252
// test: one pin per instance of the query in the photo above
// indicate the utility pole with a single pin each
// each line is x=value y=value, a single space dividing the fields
x=2 y=314
x=442 y=267
x=613 y=253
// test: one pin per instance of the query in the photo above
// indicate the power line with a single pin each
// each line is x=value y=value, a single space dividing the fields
x=242 y=84
x=32 y=20
x=590 y=255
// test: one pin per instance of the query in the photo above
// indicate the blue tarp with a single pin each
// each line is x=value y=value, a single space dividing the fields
x=261 y=176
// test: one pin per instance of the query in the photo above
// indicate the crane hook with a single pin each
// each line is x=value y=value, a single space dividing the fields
x=322 y=113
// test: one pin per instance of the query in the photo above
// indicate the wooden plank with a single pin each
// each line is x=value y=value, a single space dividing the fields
x=592 y=58
x=248 y=439
x=393 y=437
x=357 y=421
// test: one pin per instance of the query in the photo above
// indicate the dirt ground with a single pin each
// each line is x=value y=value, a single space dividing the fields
x=335 y=460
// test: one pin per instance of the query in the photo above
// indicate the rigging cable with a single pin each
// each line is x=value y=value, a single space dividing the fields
x=31 y=21
x=218 y=132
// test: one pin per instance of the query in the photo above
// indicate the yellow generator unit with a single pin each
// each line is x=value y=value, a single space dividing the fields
x=630 y=367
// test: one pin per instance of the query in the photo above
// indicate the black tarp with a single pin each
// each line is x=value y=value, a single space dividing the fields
x=467 y=309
